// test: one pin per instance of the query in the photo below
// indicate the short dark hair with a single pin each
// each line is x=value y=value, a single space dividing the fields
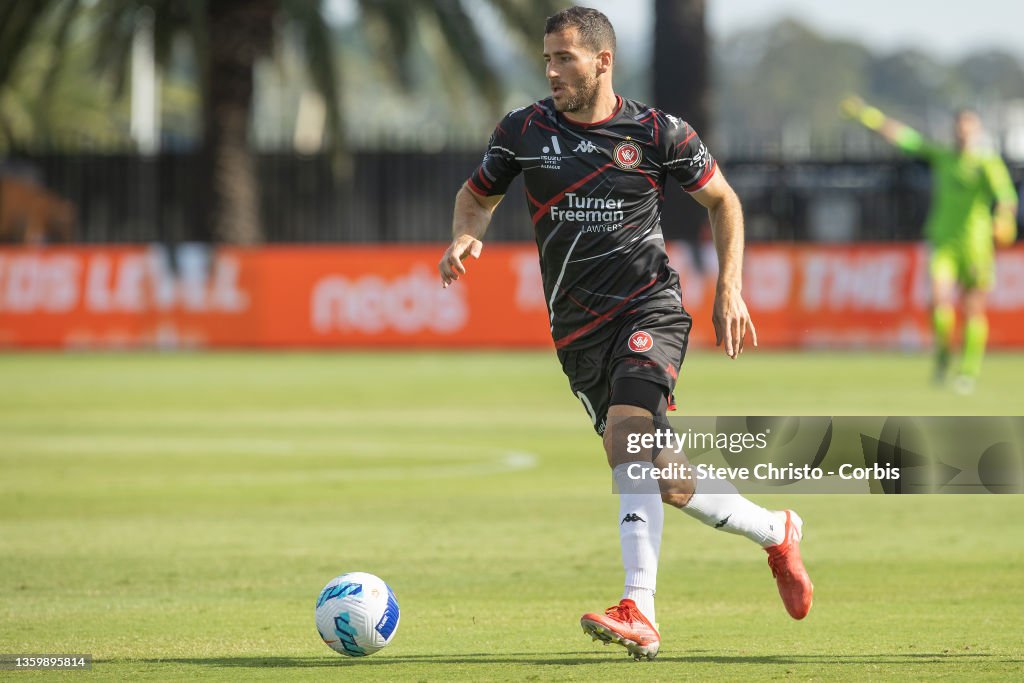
x=595 y=31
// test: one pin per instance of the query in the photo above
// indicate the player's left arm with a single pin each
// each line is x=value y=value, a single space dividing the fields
x=731 y=318
x=1004 y=216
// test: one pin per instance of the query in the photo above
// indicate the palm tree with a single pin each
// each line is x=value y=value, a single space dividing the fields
x=228 y=38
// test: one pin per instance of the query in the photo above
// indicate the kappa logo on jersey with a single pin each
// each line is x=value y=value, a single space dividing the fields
x=627 y=155
x=641 y=342
x=586 y=146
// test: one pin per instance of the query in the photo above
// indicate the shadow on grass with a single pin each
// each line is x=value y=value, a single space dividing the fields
x=577 y=659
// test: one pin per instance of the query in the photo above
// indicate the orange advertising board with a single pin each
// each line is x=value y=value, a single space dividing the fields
x=872 y=296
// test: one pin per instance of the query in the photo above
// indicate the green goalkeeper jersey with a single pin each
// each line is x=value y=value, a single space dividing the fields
x=964 y=188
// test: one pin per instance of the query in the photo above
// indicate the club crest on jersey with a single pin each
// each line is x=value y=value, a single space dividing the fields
x=627 y=155
x=640 y=342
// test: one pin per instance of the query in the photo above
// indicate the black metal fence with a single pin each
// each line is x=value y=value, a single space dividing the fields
x=407 y=197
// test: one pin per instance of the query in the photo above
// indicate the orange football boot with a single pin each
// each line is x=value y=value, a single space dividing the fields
x=624 y=625
x=795 y=585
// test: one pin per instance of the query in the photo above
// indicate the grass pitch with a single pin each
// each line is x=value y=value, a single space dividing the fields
x=176 y=516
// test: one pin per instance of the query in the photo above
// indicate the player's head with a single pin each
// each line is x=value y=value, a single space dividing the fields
x=966 y=128
x=579 y=51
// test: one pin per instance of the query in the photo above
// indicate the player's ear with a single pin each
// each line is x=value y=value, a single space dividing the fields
x=604 y=59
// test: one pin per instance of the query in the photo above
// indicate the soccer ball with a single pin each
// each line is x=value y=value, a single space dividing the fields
x=357 y=614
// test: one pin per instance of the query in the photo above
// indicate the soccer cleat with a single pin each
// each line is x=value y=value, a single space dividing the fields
x=795 y=585
x=624 y=625
x=964 y=385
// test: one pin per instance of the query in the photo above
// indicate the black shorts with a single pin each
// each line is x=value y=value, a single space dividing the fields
x=647 y=344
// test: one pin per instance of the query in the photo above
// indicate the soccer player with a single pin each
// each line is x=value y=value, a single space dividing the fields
x=973 y=204
x=595 y=167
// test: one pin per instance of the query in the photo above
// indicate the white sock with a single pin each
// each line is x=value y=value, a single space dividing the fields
x=719 y=505
x=641 y=520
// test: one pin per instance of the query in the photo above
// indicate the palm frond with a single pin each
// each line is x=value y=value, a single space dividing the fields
x=525 y=18
x=321 y=64
x=18 y=23
x=465 y=42
x=66 y=17
x=390 y=27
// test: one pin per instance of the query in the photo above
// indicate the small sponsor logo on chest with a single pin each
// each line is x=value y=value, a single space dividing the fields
x=549 y=160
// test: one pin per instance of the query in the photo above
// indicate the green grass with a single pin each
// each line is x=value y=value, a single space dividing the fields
x=176 y=516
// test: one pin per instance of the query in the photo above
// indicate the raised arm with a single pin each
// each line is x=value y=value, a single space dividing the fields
x=471 y=217
x=894 y=132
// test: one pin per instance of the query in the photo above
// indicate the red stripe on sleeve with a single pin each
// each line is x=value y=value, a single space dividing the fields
x=474 y=189
x=483 y=179
x=688 y=138
x=704 y=179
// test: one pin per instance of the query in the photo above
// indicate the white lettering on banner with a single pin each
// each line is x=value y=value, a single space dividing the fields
x=97 y=284
x=373 y=304
x=854 y=282
x=133 y=279
x=768 y=277
x=133 y=282
x=202 y=286
x=529 y=285
x=30 y=283
x=1008 y=294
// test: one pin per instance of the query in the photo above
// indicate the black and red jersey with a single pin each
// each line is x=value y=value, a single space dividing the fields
x=595 y=194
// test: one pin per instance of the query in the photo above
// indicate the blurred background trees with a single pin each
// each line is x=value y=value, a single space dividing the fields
x=231 y=78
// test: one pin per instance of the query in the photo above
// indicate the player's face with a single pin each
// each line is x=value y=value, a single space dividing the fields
x=572 y=71
x=966 y=129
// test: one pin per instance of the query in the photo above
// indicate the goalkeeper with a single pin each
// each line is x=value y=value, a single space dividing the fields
x=973 y=205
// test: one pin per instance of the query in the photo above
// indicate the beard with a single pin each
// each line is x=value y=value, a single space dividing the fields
x=584 y=97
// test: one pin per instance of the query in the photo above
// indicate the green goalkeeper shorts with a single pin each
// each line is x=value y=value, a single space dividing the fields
x=970 y=268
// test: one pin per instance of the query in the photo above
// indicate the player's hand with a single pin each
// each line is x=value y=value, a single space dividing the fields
x=852 y=106
x=1004 y=225
x=451 y=266
x=732 y=322
x=1004 y=231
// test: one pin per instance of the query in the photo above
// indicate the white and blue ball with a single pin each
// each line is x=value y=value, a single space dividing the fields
x=357 y=614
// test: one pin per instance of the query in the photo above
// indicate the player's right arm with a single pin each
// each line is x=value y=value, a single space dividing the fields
x=478 y=197
x=894 y=132
x=472 y=216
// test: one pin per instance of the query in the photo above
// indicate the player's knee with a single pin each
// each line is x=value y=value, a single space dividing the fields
x=942 y=292
x=635 y=406
x=974 y=303
x=677 y=493
x=622 y=443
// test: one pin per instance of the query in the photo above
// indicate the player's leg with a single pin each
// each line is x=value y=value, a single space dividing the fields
x=634 y=402
x=978 y=278
x=719 y=505
x=944 y=271
x=975 y=338
x=631 y=622
x=640 y=518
